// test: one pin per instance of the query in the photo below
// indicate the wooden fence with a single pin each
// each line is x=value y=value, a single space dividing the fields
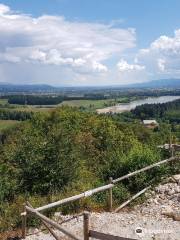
x=87 y=233
x=98 y=235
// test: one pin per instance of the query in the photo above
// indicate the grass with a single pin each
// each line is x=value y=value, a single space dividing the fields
x=5 y=124
x=3 y=101
x=29 y=108
x=94 y=104
x=34 y=108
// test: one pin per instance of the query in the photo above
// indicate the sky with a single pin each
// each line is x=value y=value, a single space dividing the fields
x=89 y=42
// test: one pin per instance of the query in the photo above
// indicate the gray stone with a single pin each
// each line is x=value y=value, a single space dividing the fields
x=176 y=177
x=176 y=216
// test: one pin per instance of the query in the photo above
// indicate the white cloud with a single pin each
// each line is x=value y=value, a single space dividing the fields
x=52 y=40
x=4 y=9
x=54 y=50
x=123 y=66
x=99 y=67
x=162 y=58
x=161 y=64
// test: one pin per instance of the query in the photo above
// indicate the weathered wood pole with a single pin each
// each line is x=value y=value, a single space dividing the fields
x=51 y=222
x=86 y=225
x=110 y=202
x=46 y=225
x=24 y=221
x=131 y=199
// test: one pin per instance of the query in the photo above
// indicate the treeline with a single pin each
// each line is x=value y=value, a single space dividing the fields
x=34 y=99
x=147 y=111
x=48 y=99
x=6 y=114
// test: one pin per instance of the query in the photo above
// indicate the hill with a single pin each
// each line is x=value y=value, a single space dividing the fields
x=161 y=83
x=44 y=88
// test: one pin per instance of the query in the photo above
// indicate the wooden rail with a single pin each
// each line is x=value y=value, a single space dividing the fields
x=131 y=199
x=87 y=234
x=103 y=188
x=51 y=222
x=145 y=169
x=76 y=197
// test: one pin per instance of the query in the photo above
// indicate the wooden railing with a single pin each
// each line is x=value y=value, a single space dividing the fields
x=98 y=235
x=48 y=222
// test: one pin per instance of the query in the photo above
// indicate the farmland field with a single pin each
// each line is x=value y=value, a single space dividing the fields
x=3 y=101
x=94 y=104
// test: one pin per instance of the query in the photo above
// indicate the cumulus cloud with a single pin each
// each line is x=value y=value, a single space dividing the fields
x=130 y=73
x=53 y=40
x=123 y=66
x=161 y=64
x=163 y=56
x=4 y=9
x=55 y=50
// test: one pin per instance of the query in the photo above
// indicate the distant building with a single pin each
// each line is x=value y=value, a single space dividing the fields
x=150 y=123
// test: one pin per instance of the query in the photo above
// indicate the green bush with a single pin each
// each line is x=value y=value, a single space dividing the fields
x=66 y=152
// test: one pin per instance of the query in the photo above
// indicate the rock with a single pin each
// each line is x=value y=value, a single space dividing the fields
x=173 y=197
x=162 y=196
x=168 y=211
x=176 y=216
x=178 y=198
x=177 y=189
x=170 y=180
x=171 y=192
x=176 y=178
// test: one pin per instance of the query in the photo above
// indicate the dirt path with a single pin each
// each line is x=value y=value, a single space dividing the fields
x=154 y=219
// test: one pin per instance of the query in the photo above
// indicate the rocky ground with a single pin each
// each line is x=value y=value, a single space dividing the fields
x=157 y=218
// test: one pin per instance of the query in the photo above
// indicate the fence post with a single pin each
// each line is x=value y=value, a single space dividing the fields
x=86 y=225
x=24 y=221
x=110 y=195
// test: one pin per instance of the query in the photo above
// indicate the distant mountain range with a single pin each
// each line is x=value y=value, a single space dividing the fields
x=161 y=83
x=8 y=87
x=44 y=88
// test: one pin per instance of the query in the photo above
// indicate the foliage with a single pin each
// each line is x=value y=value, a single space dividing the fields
x=67 y=151
x=8 y=114
x=163 y=110
x=34 y=99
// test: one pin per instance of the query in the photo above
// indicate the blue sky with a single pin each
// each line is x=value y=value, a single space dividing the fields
x=78 y=42
x=150 y=18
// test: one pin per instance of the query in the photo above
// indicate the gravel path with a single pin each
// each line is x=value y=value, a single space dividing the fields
x=155 y=218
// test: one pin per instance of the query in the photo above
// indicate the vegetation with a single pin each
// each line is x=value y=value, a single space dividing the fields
x=66 y=151
x=70 y=94
x=8 y=114
x=34 y=99
x=92 y=105
x=165 y=111
x=6 y=124
x=54 y=154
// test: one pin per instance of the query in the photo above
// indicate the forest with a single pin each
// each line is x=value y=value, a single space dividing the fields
x=147 y=111
x=66 y=151
x=34 y=99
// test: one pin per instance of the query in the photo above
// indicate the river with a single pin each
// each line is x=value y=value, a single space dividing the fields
x=123 y=107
